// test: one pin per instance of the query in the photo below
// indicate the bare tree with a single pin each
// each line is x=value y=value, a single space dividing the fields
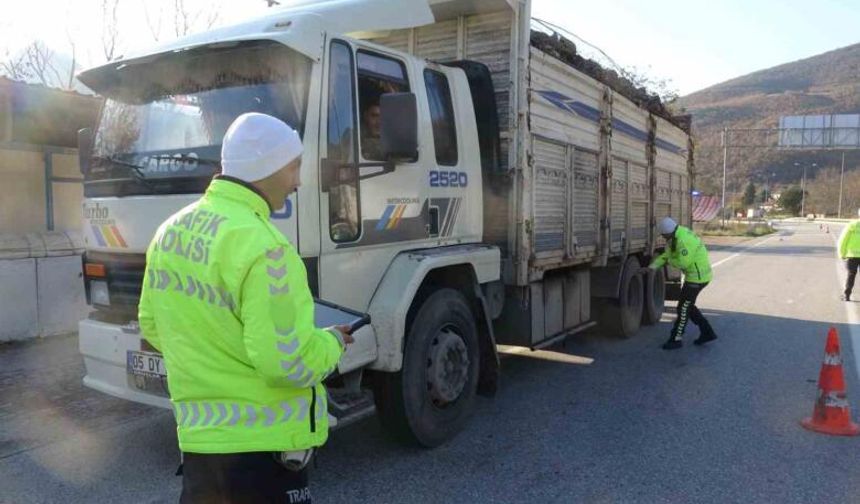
x=110 y=28
x=40 y=65
x=186 y=20
x=15 y=66
x=70 y=82
x=154 y=24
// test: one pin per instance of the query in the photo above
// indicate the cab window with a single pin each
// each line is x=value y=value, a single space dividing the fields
x=344 y=218
x=377 y=75
x=442 y=117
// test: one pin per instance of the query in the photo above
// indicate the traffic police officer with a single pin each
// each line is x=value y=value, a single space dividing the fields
x=849 y=251
x=685 y=251
x=226 y=300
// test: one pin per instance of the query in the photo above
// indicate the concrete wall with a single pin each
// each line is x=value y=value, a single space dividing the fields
x=41 y=285
x=23 y=194
x=18 y=310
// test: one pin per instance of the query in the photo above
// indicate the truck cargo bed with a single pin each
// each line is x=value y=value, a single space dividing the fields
x=585 y=172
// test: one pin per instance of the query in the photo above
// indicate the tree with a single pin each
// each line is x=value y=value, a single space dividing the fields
x=15 y=66
x=70 y=82
x=188 y=16
x=41 y=64
x=110 y=29
x=749 y=195
x=763 y=195
x=791 y=199
x=186 y=20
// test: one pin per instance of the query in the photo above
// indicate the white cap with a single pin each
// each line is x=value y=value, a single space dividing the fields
x=258 y=145
x=667 y=226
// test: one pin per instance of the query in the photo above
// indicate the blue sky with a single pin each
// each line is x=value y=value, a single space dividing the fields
x=698 y=43
x=695 y=43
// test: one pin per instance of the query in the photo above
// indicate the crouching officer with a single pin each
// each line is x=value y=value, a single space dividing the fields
x=226 y=300
x=849 y=251
x=685 y=251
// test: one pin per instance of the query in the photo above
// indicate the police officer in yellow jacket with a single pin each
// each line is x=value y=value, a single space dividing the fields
x=226 y=300
x=685 y=251
x=849 y=251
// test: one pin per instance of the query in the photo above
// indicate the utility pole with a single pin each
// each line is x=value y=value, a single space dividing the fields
x=841 y=180
x=725 y=161
x=803 y=193
x=803 y=189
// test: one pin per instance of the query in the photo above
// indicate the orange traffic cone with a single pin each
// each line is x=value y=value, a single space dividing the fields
x=831 y=414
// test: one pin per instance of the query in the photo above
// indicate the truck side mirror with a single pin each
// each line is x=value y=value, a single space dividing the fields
x=399 y=128
x=85 y=149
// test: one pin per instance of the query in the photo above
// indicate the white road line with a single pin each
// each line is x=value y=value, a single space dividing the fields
x=850 y=309
x=736 y=254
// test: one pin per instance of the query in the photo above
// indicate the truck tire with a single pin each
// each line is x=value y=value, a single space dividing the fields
x=429 y=401
x=622 y=317
x=655 y=296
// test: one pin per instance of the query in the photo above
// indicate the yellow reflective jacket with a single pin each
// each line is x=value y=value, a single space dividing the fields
x=687 y=253
x=849 y=240
x=226 y=300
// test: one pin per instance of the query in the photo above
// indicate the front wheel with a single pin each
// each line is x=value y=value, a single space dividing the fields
x=431 y=398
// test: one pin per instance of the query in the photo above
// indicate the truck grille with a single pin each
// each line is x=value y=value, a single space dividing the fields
x=124 y=277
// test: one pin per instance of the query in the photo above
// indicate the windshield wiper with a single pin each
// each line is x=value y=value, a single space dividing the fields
x=135 y=169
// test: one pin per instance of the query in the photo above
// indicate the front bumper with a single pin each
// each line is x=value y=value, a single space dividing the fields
x=104 y=348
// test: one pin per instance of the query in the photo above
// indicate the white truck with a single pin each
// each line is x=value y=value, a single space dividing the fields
x=463 y=187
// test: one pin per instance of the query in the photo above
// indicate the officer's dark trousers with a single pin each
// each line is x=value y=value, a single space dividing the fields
x=241 y=478
x=852 y=264
x=687 y=310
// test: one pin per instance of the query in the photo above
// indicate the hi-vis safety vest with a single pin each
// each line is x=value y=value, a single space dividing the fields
x=226 y=300
x=689 y=255
x=849 y=240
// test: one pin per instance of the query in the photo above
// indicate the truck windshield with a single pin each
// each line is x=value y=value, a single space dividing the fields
x=163 y=121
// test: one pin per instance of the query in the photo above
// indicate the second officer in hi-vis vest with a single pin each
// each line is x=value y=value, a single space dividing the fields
x=685 y=251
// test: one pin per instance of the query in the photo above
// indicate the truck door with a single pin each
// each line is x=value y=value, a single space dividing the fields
x=368 y=214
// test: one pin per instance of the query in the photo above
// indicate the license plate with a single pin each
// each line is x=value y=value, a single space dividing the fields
x=146 y=372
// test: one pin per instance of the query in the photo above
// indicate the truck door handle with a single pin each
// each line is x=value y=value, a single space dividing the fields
x=433 y=227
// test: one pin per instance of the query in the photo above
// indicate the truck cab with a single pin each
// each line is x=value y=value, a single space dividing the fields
x=391 y=165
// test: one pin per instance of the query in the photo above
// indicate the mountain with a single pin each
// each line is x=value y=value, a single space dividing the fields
x=828 y=83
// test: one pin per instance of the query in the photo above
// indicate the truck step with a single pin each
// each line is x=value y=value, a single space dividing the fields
x=347 y=407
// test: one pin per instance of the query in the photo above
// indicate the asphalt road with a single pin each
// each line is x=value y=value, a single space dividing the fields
x=638 y=424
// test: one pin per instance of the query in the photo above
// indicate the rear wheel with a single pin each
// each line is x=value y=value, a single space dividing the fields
x=431 y=398
x=655 y=296
x=622 y=317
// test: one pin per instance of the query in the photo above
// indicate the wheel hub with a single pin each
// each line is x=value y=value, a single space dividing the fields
x=447 y=367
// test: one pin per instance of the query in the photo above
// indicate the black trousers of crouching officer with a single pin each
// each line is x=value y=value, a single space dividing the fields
x=687 y=310
x=240 y=478
x=852 y=263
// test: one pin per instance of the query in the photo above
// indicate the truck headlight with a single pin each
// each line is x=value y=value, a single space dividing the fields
x=99 y=293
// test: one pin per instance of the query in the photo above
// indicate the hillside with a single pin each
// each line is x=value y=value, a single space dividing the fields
x=828 y=83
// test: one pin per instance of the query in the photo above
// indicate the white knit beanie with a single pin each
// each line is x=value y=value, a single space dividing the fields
x=258 y=145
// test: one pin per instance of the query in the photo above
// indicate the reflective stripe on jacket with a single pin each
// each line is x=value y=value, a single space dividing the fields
x=849 y=240
x=226 y=300
x=687 y=253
